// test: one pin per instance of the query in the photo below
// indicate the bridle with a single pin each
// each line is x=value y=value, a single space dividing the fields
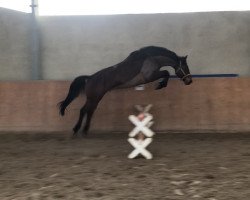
x=185 y=75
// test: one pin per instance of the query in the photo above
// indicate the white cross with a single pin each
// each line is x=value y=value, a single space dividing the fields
x=140 y=146
x=143 y=109
x=142 y=129
x=141 y=126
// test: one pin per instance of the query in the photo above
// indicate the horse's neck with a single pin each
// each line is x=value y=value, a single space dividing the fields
x=166 y=61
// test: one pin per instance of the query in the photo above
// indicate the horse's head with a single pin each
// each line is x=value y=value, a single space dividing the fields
x=182 y=71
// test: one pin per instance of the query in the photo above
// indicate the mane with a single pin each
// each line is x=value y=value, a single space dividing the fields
x=158 y=51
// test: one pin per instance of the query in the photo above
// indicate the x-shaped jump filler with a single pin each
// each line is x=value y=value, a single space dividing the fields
x=141 y=136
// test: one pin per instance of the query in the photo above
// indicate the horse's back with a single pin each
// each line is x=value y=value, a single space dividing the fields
x=123 y=72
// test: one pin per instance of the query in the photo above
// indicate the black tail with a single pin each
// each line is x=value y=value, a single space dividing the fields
x=76 y=87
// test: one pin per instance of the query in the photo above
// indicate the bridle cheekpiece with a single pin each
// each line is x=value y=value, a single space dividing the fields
x=185 y=75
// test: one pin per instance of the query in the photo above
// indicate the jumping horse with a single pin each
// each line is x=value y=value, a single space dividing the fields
x=140 y=67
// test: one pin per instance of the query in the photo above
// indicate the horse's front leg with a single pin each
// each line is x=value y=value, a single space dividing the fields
x=151 y=72
x=164 y=76
x=164 y=80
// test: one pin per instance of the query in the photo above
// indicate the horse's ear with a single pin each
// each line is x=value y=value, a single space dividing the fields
x=186 y=57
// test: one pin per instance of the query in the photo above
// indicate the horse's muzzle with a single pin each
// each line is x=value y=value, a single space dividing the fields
x=188 y=80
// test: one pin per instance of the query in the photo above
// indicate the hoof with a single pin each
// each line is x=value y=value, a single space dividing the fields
x=84 y=134
x=160 y=86
x=62 y=112
x=74 y=136
x=76 y=129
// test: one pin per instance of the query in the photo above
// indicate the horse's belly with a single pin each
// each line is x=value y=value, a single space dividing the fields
x=137 y=80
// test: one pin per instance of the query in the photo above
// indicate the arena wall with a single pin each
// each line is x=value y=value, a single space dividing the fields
x=209 y=104
x=216 y=42
x=15 y=45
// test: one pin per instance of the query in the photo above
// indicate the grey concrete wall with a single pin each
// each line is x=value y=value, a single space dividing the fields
x=216 y=42
x=15 y=46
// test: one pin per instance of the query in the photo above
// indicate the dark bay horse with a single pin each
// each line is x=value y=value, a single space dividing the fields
x=140 y=67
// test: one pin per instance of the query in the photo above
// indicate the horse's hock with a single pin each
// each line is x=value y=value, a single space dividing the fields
x=211 y=104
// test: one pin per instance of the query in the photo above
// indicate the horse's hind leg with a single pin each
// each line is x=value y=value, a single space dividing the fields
x=88 y=121
x=88 y=109
x=79 y=122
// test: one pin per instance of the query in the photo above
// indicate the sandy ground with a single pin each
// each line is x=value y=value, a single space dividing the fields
x=185 y=166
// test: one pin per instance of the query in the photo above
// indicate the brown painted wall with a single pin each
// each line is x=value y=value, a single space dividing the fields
x=213 y=104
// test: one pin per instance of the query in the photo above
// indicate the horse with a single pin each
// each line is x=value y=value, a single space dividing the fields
x=140 y=67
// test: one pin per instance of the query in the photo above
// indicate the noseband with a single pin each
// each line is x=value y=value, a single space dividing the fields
x=185 y=75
